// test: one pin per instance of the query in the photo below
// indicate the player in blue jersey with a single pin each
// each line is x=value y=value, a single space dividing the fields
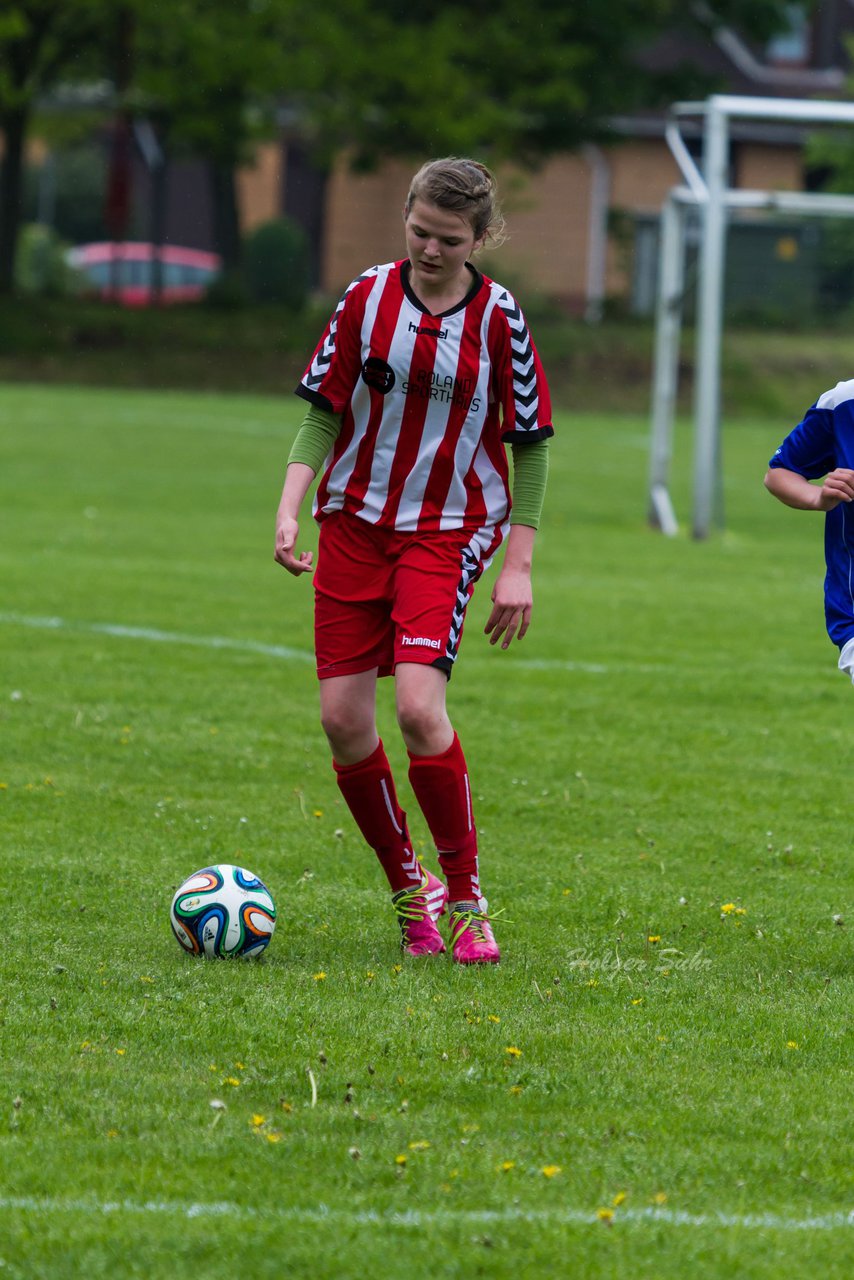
x=821 y=448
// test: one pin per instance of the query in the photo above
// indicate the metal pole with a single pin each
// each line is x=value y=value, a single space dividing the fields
x=668 y=328
x=707 y=459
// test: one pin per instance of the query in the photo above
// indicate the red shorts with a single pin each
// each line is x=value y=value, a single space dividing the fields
x=383 y=597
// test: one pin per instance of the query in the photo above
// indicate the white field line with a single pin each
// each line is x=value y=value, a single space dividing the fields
x=158 y=637
x=246 y=646
x=422 y=1217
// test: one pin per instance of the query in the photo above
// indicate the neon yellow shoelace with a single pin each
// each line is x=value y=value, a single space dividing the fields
x=411 y=904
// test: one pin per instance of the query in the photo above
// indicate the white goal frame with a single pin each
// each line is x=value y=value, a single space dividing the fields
x=707 y=191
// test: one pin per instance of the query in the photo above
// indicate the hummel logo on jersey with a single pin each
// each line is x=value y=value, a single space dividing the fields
x=378 y=375
x=421 y=642
x=425 y=330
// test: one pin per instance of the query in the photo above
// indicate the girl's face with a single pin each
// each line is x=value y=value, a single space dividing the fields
x=438 y=243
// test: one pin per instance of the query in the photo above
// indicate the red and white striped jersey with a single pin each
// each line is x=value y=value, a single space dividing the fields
x=428 y=404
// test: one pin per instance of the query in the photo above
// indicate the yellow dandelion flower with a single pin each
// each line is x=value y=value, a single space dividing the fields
x=121 y=1052
x=605 y=1215
x=319 y=977
x=594 y=982
x=396 y=968
x=618 y=1199
x=515 y=1089
x=370 y=975
x=493 y=1018
x=239 y=1066
x=567 y=892
x=654 y=937
x=233 y=1081
x=549 y=1170
x=638 y=1000
x=727 y=908
x=112 y=1133
x=660 y=1197
x=792 y=1044
x=421 y=1145
x=507 y=1165
x=318 y=813
x=400 y=1160
x=257 y=1121
x=513 y=1051
x=287 y=1106
x=273 y=1137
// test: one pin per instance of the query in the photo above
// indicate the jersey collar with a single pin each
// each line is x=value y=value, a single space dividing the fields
x=476 y=285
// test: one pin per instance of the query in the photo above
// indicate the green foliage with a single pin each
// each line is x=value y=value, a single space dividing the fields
x=42 y=42
x=228 y=291
x=493 y=77
x=40 y=266
x=276 y=264
x=606 y=366
x=669 y=835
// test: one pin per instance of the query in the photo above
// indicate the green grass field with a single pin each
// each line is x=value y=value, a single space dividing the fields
x=656 y=1081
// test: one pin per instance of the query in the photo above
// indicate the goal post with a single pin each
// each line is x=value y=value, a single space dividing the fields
x=706 y=190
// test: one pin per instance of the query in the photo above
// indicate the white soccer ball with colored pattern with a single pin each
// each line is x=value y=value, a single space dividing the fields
x=222 y=911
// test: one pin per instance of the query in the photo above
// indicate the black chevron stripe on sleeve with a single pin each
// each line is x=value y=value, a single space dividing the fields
x=525 y=391
x=323 y=359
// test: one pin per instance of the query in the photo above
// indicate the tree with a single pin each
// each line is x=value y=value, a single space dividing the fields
x=40 y=42
x=496 y=76
x=208 y=76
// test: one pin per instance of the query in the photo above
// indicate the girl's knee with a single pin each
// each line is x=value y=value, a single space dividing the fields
x=345 y=728
x=422 y=725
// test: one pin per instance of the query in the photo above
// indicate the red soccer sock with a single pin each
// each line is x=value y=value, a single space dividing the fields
x=441 y=786
x=368 y=789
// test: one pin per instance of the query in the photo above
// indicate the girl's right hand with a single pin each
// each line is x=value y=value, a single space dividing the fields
x=287 y=532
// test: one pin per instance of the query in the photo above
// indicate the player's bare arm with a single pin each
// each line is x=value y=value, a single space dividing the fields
x=297 y=483
x=512 y=596
x=794 y=490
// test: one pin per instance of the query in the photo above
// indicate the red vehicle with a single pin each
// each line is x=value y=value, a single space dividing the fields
x=123 y=271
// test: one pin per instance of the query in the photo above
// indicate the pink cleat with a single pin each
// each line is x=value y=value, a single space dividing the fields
x=417 y=911
x=472 y=938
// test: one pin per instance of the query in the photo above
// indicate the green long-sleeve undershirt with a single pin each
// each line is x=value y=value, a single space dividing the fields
x=319 y=431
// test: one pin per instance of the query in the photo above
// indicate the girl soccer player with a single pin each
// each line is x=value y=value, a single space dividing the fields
x=425 y=372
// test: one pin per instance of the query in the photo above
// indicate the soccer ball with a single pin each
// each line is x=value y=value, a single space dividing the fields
x=223 y=911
